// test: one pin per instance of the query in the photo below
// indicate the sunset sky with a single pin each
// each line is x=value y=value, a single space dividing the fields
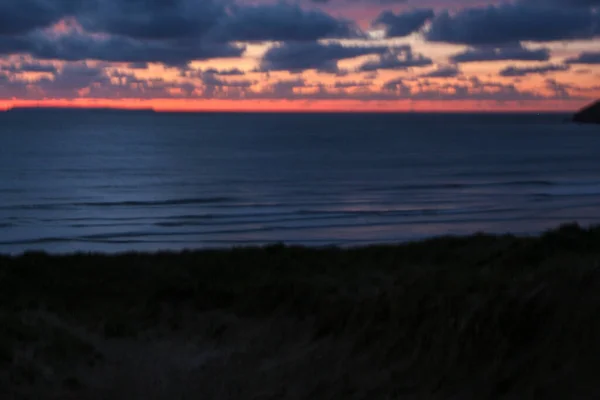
x=428 y=55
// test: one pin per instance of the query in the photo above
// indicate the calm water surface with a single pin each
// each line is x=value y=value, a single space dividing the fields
x=115 y=181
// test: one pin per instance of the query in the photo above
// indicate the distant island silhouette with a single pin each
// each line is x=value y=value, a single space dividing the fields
x=588 y=115
x=69 y=109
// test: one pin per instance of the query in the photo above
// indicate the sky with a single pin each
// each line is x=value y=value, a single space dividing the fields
x=301 y=55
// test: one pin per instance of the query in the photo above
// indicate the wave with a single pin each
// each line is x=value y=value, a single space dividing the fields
x=572 y=190
x=461 y=185
x=195 y=237
x=130 y=203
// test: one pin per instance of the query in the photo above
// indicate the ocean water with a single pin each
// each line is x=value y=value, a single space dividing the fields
x=117 y=181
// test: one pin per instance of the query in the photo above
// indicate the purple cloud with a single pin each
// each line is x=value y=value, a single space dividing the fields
x=403 y=24
x=539 y=70
x=507 y=53
x=397 y=59
x=443 y=71
x=585 y=58
x=512 y=23
x=298 y=57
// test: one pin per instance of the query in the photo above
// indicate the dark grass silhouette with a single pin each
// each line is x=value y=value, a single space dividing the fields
x=471 y=317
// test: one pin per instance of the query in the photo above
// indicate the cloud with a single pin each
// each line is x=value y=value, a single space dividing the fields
x=561 y=89
x=585 y=58
x=563 y=3
x=396 y=58
x=471 y=89
x=558 y=89
x=172 y=32
x=506 y=53
x=74 y=77
x=399 y=86
x=226 y=72
x=12 y=87
x=211 y=79
x=351 y=84
x=540 y=70
x=214 y=20
x=512 y=23
x=29 y=66
x=84 y=80
x=380 y=2
x=79 y=46
x=138 y=65
x=403 y=24
x=214 y=86
x=22 y=16
x=443 y=71
x=151 y=19
x=281 y=22
x=298 y=56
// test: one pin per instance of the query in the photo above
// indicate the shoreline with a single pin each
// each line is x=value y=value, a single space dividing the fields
x=481 y=316
x=340 y=245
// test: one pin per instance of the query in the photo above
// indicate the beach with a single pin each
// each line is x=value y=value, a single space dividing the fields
x=480 y=316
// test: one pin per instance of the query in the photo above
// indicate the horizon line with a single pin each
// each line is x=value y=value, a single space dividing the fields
x=272 y=111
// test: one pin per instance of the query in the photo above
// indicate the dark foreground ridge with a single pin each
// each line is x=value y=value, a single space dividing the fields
x=589 y=115
x=450 y=318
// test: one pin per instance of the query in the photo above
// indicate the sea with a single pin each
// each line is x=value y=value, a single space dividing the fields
x=116 y=181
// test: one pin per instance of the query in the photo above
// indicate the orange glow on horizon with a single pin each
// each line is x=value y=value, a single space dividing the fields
x=184 y=105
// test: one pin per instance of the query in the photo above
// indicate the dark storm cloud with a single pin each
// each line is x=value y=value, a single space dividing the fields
x=507 y=53
x=22 y=16
x=172 y=32
x=539 y=70
x=298 y=57
x=403 y=24
x=217 y=20
x=156 y=19
x=397 y=59
x=510 y=23
x=77 y=46
x=443 y=71
x=585 y=58
x=15 y=44
x=280 y=22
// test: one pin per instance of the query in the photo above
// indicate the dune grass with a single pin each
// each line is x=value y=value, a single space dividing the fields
x=467 y=317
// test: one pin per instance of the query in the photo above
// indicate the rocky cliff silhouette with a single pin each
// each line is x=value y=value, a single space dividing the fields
x=589 y=114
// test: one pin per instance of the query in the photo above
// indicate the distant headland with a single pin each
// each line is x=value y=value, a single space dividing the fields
x=588 y=115
x=78 y=109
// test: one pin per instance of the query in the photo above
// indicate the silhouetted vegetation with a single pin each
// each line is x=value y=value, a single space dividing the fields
x=453 y=317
